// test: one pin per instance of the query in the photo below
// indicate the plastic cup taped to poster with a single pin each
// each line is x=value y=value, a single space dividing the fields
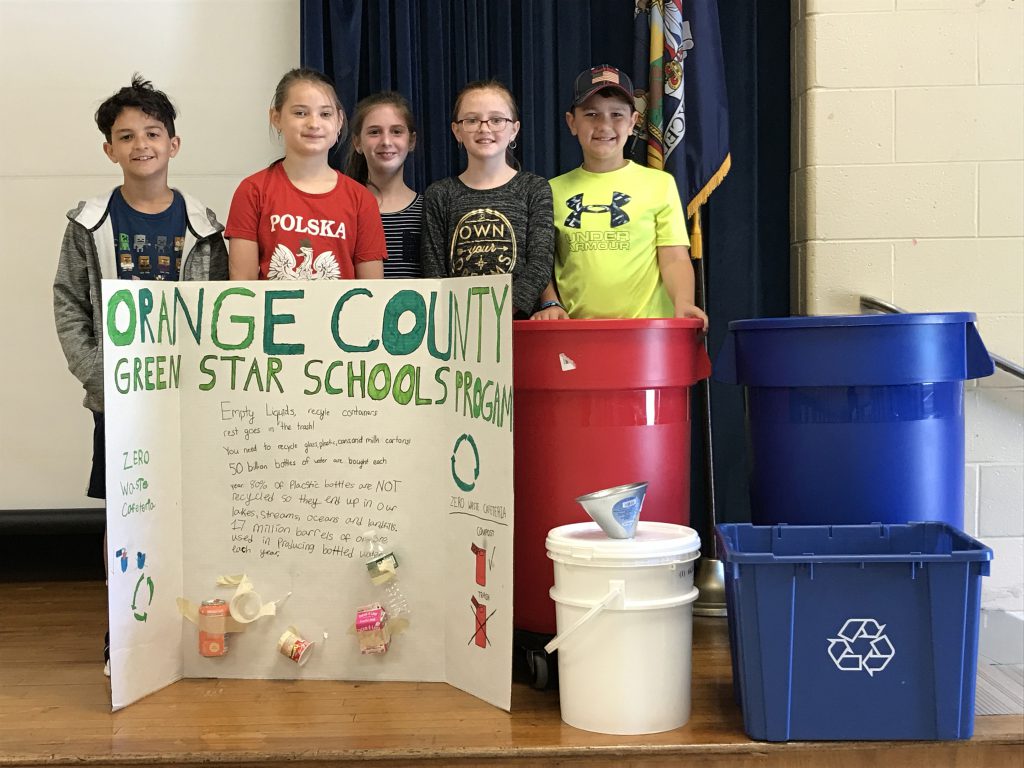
x=294 y=646
x=617 y=509
x=245 y=607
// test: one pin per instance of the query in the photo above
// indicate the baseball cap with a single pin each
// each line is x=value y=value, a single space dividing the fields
x=592 y=80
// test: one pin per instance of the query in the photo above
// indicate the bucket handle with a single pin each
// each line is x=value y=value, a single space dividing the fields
x=617 y=588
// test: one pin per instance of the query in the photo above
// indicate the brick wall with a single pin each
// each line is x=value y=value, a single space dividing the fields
x=908 y=185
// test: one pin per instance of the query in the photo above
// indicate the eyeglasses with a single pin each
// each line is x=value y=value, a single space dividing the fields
x=475 y=123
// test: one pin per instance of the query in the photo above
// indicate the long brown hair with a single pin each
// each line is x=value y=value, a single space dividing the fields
x=355 y=163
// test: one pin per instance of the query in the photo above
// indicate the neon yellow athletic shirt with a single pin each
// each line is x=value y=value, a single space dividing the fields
x=609 y=227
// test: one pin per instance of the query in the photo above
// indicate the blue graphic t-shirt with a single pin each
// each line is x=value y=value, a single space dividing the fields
x=149 y=245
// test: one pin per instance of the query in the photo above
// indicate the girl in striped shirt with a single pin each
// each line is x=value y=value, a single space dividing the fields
x=383 y=135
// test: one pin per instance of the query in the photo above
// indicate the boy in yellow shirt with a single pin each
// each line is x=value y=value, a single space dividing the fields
x=621 y=248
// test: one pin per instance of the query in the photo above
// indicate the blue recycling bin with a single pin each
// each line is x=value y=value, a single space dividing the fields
x=854 y=632
x=855 y=419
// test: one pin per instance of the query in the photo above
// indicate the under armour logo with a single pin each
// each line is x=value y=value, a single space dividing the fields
x=577 y=209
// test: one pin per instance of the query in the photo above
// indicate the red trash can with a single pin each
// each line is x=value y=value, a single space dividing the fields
x=598 y=403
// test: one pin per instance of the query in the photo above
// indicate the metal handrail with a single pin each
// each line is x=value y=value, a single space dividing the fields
x=871 y=303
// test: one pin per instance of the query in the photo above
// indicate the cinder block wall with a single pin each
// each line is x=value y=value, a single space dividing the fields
x=908 y=185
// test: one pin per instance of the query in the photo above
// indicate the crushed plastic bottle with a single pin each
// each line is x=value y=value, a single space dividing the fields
x=382 y=567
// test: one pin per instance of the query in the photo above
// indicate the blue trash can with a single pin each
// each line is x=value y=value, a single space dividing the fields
x=854 y=632
x=855 y=419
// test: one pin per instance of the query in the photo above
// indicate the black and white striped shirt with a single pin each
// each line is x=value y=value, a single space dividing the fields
x=402 y=234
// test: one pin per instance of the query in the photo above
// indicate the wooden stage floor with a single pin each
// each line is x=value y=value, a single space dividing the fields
x=55 y=710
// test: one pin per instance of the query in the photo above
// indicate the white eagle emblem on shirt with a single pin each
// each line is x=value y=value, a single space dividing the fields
x=282 y=264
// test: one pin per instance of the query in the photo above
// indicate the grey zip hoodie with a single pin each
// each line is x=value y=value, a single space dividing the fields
x=87 y=256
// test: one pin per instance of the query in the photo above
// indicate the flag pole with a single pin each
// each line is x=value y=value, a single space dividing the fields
x=683 y=53
x=710 y=576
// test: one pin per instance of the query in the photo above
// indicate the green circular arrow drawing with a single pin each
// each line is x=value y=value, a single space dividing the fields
x=476 y=458
x=135 y=597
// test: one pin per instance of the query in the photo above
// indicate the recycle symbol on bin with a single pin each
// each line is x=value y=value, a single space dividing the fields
x=861 y=646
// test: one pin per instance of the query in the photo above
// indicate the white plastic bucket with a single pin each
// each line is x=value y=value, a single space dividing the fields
x=623 y=609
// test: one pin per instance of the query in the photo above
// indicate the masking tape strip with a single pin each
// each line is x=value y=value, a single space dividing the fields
x=245 y=607
x=189 y=610
x=213 y=624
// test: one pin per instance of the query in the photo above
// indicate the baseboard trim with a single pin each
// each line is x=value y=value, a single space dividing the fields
x=26 y=522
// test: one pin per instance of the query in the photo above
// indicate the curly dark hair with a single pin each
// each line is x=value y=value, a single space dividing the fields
x=141 y=95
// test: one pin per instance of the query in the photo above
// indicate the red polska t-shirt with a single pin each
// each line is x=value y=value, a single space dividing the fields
x=304 y=236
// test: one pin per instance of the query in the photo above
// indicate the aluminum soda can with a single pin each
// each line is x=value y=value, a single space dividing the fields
x=213 y=641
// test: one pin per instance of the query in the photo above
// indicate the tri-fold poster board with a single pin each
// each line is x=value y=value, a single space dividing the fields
x=332 y=460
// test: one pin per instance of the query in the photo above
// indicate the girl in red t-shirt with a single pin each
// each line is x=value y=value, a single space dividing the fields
x=300 y=219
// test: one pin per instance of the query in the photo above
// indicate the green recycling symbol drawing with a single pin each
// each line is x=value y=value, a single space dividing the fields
x=135 y=597
x=463 y=485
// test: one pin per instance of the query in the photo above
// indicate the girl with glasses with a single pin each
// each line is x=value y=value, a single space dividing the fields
x=493 y=218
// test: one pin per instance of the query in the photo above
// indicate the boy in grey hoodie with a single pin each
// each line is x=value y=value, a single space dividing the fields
x=143 y=230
